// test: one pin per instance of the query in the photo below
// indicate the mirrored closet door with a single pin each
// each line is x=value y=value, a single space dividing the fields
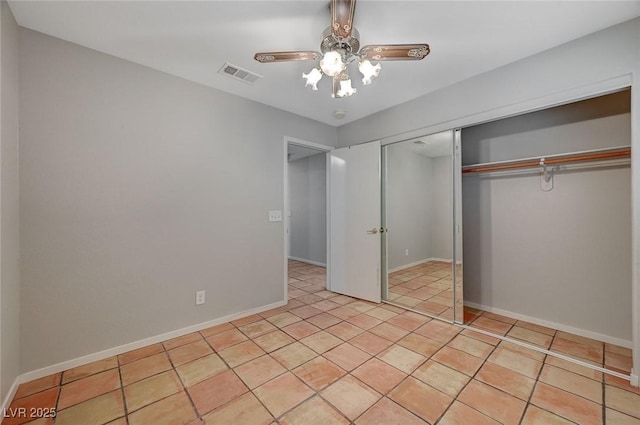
x=421 y=250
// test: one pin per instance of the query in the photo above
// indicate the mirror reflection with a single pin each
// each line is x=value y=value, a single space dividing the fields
x=419 y=214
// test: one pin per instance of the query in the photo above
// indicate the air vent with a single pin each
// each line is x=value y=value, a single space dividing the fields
x=238 y=73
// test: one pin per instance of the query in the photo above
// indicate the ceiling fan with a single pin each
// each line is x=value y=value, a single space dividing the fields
x=340 y=47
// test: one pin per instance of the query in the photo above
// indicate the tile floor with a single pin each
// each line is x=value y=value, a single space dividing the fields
x=330 y=359
x=427 y=287
x=587 y=350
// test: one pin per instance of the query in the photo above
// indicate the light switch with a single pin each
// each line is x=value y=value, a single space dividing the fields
x=275 y=215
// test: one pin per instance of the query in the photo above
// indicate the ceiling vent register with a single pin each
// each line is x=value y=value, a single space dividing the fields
x=238 y=73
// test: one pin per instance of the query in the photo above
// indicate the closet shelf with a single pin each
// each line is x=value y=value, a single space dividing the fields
x=565 y=158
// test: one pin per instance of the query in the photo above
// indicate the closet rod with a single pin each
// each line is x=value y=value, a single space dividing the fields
x=594 y=155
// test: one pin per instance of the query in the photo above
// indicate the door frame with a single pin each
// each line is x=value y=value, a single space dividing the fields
x=286 y=220
x=340 y=272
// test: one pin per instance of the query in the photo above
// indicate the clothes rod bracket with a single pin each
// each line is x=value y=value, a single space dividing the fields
x=546 y=178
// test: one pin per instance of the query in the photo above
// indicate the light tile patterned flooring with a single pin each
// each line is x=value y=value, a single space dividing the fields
x=330 y=359
x=584 y=349
x=427 y=287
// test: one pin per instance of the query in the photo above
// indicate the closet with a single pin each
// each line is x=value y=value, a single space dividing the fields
x=546 y=213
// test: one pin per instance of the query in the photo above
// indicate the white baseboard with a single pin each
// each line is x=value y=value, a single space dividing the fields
x=45 y=371
x=304 y=260
x=442 y=260
x=417 y=263
x=559 y=326
x=634 y=380
x=9 y=397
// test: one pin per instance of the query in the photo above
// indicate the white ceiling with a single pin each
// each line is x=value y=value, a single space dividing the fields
x=432 y=146
x=193 y=39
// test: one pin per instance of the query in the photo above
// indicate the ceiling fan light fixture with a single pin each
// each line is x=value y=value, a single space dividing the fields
x=340 y=47
x=345 y=88
x=312 y=78
x=332 y=63
x=368 y=70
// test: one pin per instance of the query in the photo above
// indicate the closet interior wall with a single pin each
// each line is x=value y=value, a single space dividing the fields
x=563 y=256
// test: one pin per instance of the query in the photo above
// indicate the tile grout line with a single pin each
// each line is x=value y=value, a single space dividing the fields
x=165 y=351
x=236 y=374
x=533 y=390
x=472 y=378
x=58 y=398
x=604 y=401
x=175 y=370
x=124 y=399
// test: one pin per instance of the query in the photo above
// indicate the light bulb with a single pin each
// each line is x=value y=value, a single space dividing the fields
x=369 y=71
x=332 y=63
x=345 y=89
x=312 y=78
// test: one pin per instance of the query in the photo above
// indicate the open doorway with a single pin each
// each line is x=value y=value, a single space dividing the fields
x=305 y=217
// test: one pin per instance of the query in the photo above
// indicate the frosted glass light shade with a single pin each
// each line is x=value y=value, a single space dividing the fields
x=312 y=78
x=369 y=71
x=332 y=63
x=345 y=89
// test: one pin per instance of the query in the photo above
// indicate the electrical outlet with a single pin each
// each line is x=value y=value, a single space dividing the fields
x=200 y=297
x=275 y=215
x=406 y=252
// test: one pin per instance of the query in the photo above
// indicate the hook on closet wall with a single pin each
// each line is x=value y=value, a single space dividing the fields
x=546 y=178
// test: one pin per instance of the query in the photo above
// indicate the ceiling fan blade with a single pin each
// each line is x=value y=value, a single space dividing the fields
x=342 y=12
x=395 y=52
x=266 y=57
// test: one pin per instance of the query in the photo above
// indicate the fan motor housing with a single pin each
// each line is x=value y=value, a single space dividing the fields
x=349 y=44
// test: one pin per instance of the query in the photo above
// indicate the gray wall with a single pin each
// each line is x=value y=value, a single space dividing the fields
x=9 y=220
x=568 y=66
x=409 y=205
x=442 y=241
x=564 y=255
x=308 y=206
x=596 y=123
x=137 y=189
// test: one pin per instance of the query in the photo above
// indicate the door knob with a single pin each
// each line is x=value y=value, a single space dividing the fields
x=373 y=231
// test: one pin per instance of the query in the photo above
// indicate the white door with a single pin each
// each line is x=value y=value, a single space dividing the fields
x=353 y=176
